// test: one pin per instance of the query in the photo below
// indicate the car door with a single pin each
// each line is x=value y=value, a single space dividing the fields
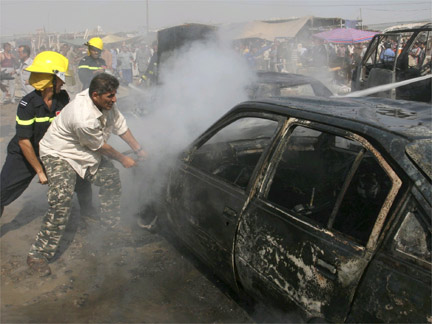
x=308 y=235
x=209 y=189
x=397 y=285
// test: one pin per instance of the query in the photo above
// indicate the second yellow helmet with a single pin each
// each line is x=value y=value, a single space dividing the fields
x=95 y=42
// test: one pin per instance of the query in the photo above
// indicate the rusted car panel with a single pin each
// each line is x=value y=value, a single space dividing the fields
x=320 y=205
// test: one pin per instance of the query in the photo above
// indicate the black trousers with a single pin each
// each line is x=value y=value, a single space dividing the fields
x=17 y=174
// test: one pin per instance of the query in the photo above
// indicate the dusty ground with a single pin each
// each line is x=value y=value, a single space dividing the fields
x=140 y=277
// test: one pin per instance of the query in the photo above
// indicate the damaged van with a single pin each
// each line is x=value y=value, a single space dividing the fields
x=315 y=204
x=397 y=56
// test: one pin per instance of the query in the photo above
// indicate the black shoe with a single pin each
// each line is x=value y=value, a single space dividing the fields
x=39 y=265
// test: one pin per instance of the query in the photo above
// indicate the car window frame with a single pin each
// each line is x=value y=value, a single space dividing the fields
x=224 y=122
x=414 y=198
x=387 y=204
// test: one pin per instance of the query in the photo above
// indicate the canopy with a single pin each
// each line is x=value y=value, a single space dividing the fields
x=346 y=35
x=109 y=39
x=266 y=30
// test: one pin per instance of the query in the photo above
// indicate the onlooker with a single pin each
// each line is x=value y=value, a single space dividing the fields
x=387 y=55
x=7 y=62
x=107 y=57
x=124 y=62
x=114 y=60
x=26 y=61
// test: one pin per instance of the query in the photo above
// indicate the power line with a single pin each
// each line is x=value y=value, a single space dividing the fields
x=374 y=9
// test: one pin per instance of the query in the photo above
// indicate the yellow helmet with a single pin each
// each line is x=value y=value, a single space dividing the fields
x=95 y=42
x=50 y=62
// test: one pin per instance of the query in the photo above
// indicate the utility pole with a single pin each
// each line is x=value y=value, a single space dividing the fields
x=361 y=20
x=147 y=16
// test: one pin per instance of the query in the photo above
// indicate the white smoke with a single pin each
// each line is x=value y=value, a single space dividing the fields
x=199 y=84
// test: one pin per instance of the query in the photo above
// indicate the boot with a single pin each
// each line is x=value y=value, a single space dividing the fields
x=39 y=265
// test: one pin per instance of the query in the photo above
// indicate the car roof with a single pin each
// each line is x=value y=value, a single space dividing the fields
x=412 y=120
x=403 y=128
x=425 y=27
x=283 y=79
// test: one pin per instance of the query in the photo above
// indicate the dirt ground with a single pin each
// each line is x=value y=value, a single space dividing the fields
x=131 y=278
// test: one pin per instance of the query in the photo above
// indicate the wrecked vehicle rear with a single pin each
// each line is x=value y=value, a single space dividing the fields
x=411 y=59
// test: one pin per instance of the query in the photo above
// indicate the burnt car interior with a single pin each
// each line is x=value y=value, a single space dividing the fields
x=310 y=177
x=234 y=152
x=328 y=179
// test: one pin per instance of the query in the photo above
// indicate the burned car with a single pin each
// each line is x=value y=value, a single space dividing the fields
x=278 y=84
x=408 y=57
x=139 y=102
x=320 y=204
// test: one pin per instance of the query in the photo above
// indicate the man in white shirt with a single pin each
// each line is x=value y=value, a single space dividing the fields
x=26 y=61
x=76 y=145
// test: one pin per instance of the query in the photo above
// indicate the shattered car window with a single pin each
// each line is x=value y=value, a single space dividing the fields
x=309 y=178
x=233 y=152
x=413 y=238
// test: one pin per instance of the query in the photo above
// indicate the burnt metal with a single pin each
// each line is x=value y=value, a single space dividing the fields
x=367 y=74
x=305 y=257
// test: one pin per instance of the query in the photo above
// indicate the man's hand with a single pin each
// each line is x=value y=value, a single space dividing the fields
x=128 y=162
x=42 y=178
x=141 y=154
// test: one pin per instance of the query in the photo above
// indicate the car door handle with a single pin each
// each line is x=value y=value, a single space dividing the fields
x=230 y=213
x=327 y=269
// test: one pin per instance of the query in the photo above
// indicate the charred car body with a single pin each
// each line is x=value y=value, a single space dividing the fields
x=322 y=204
x=278 y=84
x=411 y=58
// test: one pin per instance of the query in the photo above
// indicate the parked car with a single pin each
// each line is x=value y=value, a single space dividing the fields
x=411 y=58
x=324 y=204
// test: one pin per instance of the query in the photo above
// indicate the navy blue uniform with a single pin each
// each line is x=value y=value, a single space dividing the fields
x=32 y=121
x=86 y=68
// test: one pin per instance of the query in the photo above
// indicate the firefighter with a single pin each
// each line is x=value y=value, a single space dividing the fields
x=150 y=75
x=92 y=64
x=35 y=113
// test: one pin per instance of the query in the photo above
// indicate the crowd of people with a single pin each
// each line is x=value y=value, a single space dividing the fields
x=128 y=62
x=294 y=57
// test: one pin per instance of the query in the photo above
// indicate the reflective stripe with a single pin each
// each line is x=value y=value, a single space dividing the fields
x=42 y=119
x=24 y=122
x=31 y=121
x=90 y=67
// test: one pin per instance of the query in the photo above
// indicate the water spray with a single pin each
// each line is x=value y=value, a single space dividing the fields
x=384 y=87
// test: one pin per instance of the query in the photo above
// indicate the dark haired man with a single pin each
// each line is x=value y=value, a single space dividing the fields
x=76 y=144
x=387 y=55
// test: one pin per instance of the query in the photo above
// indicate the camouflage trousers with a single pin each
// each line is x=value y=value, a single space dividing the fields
x=61 y=180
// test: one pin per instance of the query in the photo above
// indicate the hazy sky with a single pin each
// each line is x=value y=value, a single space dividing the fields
x=19 y=16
